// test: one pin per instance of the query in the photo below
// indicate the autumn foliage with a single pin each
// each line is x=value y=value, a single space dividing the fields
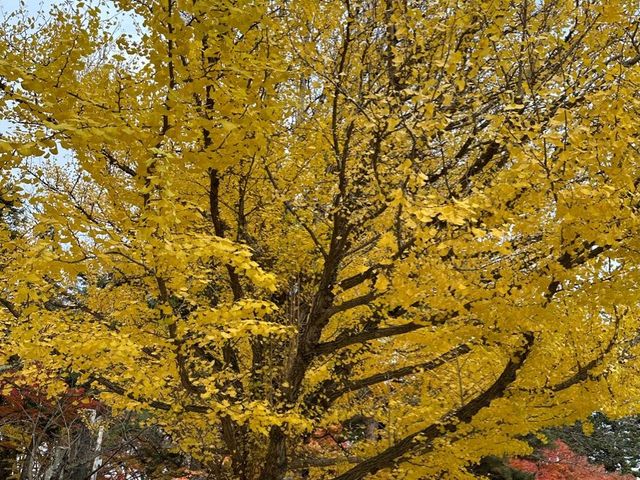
x=559 y=462
x=29 y=404
x=244 y=221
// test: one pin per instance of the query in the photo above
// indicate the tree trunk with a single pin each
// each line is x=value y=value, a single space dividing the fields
x=7 y=462
x=81 y=455
x=55 y=470
x=27 y=466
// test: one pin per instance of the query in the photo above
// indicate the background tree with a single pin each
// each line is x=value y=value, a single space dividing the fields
x=255 y=219
x=610 y=442
x=559 y=462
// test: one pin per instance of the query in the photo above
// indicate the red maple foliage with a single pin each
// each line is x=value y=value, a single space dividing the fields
x=29 y=402
x=561 y=463
x=29 y=407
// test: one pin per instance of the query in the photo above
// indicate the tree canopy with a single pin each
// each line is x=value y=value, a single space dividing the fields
x=249 y=220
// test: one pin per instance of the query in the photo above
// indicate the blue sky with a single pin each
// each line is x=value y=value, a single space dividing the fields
x=32 y=5
x=127 y=23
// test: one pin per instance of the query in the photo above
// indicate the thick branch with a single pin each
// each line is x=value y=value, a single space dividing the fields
x=399 y=372
x=365 y=336
x=352 y=303
x=10 y=306
x=114 y=388
x=120 y=166
x=585 y=372
x=423 y=439
x=384 y=332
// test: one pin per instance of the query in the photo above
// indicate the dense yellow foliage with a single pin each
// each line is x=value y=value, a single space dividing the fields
x=253 y=218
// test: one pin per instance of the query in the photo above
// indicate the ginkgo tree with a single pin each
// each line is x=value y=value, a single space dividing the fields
x=252 y=219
